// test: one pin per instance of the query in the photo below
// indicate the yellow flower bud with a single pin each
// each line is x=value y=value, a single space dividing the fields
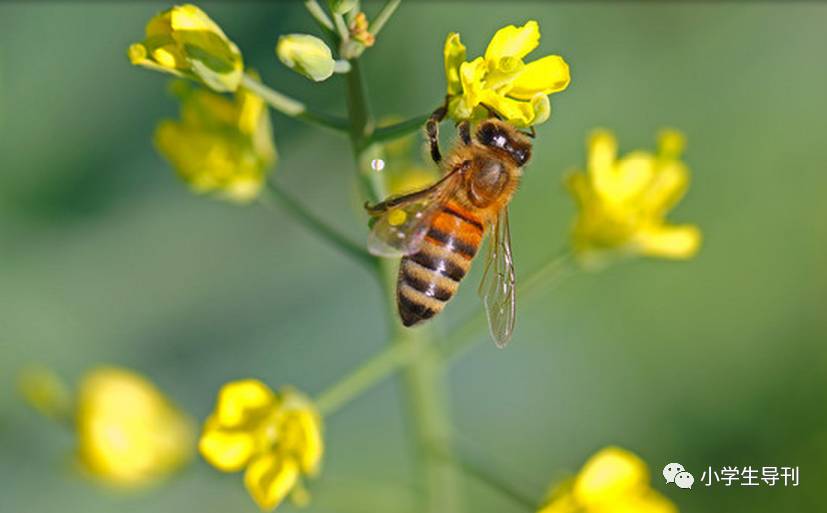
x=277 y=437
x=623 y=202
x=220 y=145
x=307 y=55
x=129 y=434
x=185 y=42
x=359 y=30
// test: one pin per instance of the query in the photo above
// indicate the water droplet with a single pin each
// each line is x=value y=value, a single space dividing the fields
x=377 y=164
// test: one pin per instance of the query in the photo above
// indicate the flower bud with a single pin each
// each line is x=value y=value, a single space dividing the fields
x=185 y=42
x=307 y=55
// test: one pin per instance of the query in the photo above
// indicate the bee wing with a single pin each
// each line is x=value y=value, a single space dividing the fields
x=497 y=288
x=404 y=220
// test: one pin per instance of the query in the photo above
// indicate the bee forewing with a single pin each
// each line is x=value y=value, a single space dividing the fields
x=402 y=227
x=399 y=231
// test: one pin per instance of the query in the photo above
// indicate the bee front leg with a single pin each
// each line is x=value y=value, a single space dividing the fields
x=432 y=131
x=465 y=132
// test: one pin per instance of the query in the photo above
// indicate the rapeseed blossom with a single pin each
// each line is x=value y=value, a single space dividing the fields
x=623 y=201
x=185 y=42
x=501 y=81
x=220 y=145
x=612 y=481
x=128 y=432
x=275 y=436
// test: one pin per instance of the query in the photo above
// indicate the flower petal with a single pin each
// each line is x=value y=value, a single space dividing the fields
x=610 y=475
x=243 y=402
x=678 y=242
x=455 y=54
x=547 y=75
x=226 y=450
x=269 y=479
x=513 y=41
x=602 y=151
x=516 y=112
x=626 y=180
x=666 y=188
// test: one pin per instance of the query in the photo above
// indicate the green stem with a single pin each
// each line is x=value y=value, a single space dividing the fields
x=318 y=14
x=423 y=376
x=292 y=107
x=425 y=386
x=482 y=474
x=397 y=354
x=364 y=377
x=385 y=133
x=383 y=16
x=278 y=195
x=361 y=129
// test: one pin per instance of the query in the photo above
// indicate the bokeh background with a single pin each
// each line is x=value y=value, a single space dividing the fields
x=106 y=258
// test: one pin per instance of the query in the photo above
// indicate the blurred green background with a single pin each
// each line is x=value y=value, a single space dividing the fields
x=106 y=258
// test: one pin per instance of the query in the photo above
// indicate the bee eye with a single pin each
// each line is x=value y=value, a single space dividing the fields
x=490 y=135
x=521 y=156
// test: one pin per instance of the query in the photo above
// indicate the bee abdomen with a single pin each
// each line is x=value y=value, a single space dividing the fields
x=430 y=278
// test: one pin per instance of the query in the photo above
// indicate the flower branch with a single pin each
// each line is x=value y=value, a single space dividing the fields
x=396 y=130
x=383 y=16
x=292 y=107
x=275 y=194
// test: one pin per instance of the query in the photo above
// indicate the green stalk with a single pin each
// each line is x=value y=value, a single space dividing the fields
x=383 y=16
x=318 y=14
x=365 y=376
x=423 y=377
x=277 y=195
x=292 y=107
x=398 y=355
x=386 y=133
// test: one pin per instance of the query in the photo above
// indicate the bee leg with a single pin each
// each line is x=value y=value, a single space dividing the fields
x=465 y=132
x=432 y=131
x=492 y=112
x=531 y=132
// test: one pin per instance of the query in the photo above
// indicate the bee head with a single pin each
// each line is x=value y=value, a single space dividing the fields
x=503 y=137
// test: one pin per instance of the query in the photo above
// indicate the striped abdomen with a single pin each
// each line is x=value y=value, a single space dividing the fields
x=429 y=278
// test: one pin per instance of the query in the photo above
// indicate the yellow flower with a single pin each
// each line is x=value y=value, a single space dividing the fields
x=220 y=145
x=307 y=55
x=128 y=433
x=612 y=481
x=275 y=436
x=501 y=80
x=623 y=202
x=46 y=392
x=185 y=42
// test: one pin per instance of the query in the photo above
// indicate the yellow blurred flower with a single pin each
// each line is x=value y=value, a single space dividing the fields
x=501 y=80
x=612 y=481
x=275 y=436
x=46 y=392
x=307 y=55
x=128 y=433
x=220 y=145
x=185 y=42
x=623 y=202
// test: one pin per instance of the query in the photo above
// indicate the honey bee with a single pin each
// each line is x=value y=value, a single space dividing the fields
x=438 y=230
